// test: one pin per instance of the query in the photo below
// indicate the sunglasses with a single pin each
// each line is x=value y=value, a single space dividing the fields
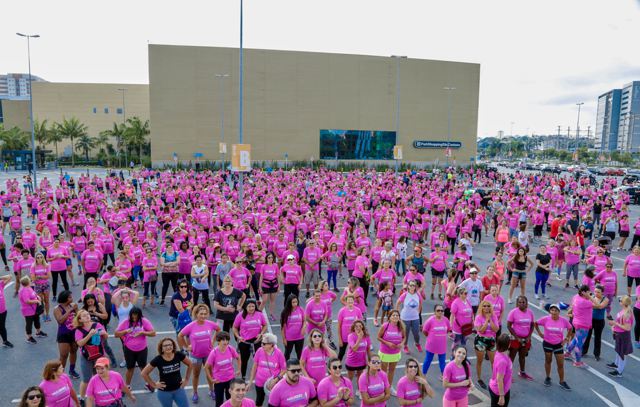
x=439 y=310
x=375 y=362
x=34 y=396
x=336 y=367
x=266 y=343
x=183 y=286
x=295 y=371
x=316 y=336
x=412 y=366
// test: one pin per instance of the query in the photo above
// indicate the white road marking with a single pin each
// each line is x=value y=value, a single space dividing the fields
x=335 y=321
x=9 y=285
x=604 y=399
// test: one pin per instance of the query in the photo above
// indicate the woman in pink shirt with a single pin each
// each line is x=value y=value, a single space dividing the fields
x=106 y=387
x=456 y=379
x=57 y=386
x=353 y=288
x=553 y=340
x=292 y=325
x=461 y=317
x=317 y=312
x=40 y=275
x=57 y=257
x=437 y=329
x=631 y=269
x=413 y=387
x=392 y=336
x=248 y=328
x=268 y=367
x=315 y=357
x=269 y=283
x=358 y=349
x=374 y=385
x=223 y=358
x=362 y=271
x=621 y=327
x=335 y=388
x=486 y=326
x=581 y=309
x=29 y=300
x=502 y=372
x=520 y=322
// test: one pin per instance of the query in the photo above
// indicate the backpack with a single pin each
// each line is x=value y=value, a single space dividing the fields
x=89 y=351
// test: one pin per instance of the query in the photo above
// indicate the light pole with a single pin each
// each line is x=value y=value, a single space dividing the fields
x=579 y=104
x=220 y=77
x=397 y=119
x=124 y=121
x=240 y=129
x=511 y=140
x=449 y=90
x=34 y=164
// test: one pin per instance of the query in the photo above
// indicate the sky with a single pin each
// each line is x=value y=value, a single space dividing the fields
x=538 y=59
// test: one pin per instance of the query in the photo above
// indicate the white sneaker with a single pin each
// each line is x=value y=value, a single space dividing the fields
x=558 y=277
x=537 y=297
x=393 y=391
x=510 y=301
x=358 y=394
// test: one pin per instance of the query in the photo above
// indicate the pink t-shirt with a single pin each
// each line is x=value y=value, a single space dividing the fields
x=3 y=301
x=292 y=274
x=316 y=311
x=268 y=365
x=26 y=294
x=393 y=334
x=554 y=330
x=489 y=332
x=374 y=386
x=315 y=362
x=246 y=402
x=633 y=265
x=58 y=393
x=293 y=327
x=407 y=389
x=384 y=276
x=346 y=318
x=609 y=280
x=284 y=394
x=357 y=355
x=106 y=392
x=501 y=365
x=622 y=321
x=456 y=374
x=91 y=260
x=327 y=390
x=130 y=340
x=250 y=326
x=240 y=277
x=436 y=331
x=57 y=264
x=582 y=312
x=463 y=314
x=521 y=321
x=222 y=363
x=200 y=337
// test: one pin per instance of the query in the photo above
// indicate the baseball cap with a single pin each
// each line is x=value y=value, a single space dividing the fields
x=290 y=257
x=556 y=306
x=104 y=362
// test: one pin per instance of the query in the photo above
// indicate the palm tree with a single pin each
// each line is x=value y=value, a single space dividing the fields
x=85 y=143
x=14 y=139
x=118 y=133
x=135 y=134
x=55 y=136
x=72 y=129
x=41 y=132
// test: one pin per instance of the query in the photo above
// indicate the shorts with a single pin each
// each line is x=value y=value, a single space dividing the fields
x=5 y=219
x=515 y=344
x=270 y=286
x=66 y=337
x=198 y=361
x=556 y=349
x=34 y=211
x=355 y=368
x=68 y=262
x=133 y=358
x=436 y=273
x=311 y=277
x=484 y=344
x=624 y=233
x=630 y=281
x=387 y=308
x=42 y=288
x=86 y=369
x=390 y=358
x=520 y=275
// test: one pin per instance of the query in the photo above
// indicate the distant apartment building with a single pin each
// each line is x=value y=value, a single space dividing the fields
x=629 y=125
x=607 y=119
x=16 y=85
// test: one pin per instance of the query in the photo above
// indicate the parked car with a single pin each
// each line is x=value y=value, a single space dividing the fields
x=616 y=172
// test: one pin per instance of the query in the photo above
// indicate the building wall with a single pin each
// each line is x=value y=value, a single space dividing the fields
x=56 y=101
x=16 y=113
x=289 y=96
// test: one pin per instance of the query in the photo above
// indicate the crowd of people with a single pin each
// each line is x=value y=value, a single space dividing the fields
x=403 y=244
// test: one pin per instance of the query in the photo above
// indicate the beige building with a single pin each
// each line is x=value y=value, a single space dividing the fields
x=290 y=97
x=97 y=105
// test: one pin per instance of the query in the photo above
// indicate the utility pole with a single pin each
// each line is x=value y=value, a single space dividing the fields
x=558 y=140
x=568 y=136
x=579 y=104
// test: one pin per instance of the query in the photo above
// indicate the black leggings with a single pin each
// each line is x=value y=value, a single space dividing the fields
x=596 y=330
x=245 y=353
x=227 y=325
x=3 y=326
x=635 y=241
x=495 y=398
x=169 y=278
x=365 y=287
x=477 y=234
x=3 y=254
x=205 y=297
x=30 y=321
x=452 y=244
x=260 y=396
x=342 y=351
x=290 y=345
x=636 y=329
x=109 y=256
x=54 y=285
x=291 y=289
x=222 y=392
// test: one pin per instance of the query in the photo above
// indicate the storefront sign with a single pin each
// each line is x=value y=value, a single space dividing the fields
x=436 y=144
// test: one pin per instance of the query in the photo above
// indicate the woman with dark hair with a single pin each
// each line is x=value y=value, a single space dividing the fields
x=373 y=384
x=335 y=390
x=500 y=383
x=56 y=386
x=597 y=323
x=200 y=281
x=32 y=397
x=520 y=323
x=292 y=323
x=521 y=264
x=358 y=349
x=134 y=332
x=456 y=392
x=413 y=387
x=181 y=301
x=29 y=302
x=222 y=357
x=392 y=336
x=64 y=313
x=169 y=261
x=170 y=384
x=269 y=283
x=248 y=328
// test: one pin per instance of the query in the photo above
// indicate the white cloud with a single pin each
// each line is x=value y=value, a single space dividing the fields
x=537 y=58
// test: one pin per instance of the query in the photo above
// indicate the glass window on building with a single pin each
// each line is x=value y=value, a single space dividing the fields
x=119 y=110
x=357 y=144
x=106 y=110
x=95 y=110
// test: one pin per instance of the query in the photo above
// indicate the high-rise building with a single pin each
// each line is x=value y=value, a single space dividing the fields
x=607 y=121
x=16 y=85
x=629 y=122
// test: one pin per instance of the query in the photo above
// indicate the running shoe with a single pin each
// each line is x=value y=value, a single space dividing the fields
x=73 y=374
x=547 y=381
x=580 y=364
x=482 y=384
x=7 y=344
x=212 y=394
x=41 y=334
x=123 y=364
x=612 y=365
x=149 y=387
x=195 y=398
x=636 y=345
x=376 y=323
x=31 y=340
x=537 y=296
x=567 y=355
x=406 y=349
x=333 y=345
x=565 y=386
x=419 y=347
x=615 y=373
x=525 y=376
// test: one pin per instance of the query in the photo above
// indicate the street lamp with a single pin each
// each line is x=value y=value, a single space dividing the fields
x=34 y=164
x=397 y=120
x=579 y=104
x=240 y=115
x=449 y=90
x=221 y=77
x=124 y=121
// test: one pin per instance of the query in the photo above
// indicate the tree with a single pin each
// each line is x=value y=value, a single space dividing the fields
x=135 y=134
x=116 y=132
x=72 y=129
x=14 y=139
x=55 y=136
x=41 y=132
x=85 y=143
